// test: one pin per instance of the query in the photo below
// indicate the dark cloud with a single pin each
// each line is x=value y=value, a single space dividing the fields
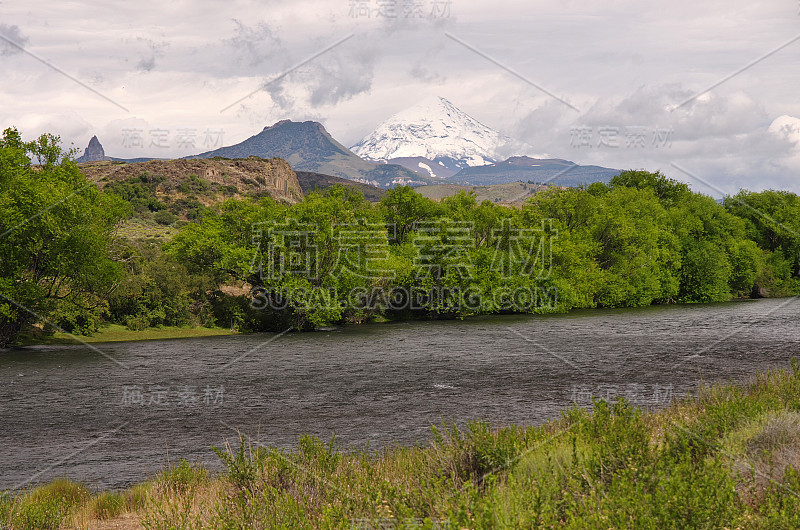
x=348 y=70
x=419 y=70
x=255 y=44
x=540 y=126
x=334 y=77
x=341 y=78
x=705 y=118
x=425 y=69
x=146 y=64
x=147 y=60
x=144 y=51
x=14 y=34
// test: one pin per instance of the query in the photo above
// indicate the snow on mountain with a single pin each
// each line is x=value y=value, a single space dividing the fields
x=434 y=130
x=426 y=166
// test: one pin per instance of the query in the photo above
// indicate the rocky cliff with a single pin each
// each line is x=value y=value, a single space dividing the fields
x=94 y=152
x=228 y=177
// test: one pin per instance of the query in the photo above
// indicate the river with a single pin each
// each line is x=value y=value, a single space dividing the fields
x=115 y=413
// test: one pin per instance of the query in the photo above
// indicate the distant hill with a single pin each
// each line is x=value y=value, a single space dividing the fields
x=307 y=146
x=553 y=171
x=426 y=166
x=512 y=193
x=316 y=181
x=185 y=187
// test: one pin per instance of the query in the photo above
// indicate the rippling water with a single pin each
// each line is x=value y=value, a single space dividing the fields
x=115 y=415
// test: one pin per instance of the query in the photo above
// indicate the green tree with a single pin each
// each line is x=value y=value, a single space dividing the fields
x=303 y=263
x=575 y=271
x=403 y=206
x=668 y=191
x=636 y=249
x=54 y=233
x=156 y=290
x=772 y=220
x=614 y=247
x=714 y=258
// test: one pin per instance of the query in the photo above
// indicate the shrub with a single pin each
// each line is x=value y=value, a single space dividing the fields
x=47 y=506
x=243 y=466
x=44 y=514
x=182 y=477
x=136 y=497
x=194 y=184
x=229 y=189
x=107 y=505
x=71 y=493
x=477 y=452
x=779 y=430
x=314 y=454
x=164 y=217
x=137 y=322
x=762 y=453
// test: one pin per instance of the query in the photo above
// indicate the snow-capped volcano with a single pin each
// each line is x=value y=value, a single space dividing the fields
x=434 y=130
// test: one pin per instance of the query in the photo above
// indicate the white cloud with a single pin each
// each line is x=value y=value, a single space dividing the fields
x=786 y=128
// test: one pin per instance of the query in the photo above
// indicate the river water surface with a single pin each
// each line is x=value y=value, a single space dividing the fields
x=116 y=414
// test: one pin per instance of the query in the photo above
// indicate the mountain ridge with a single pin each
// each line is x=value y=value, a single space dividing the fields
x=309 y=147
x=439 y=144
x=554 y=171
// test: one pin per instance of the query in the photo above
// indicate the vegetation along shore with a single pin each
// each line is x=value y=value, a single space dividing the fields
x=158 y=245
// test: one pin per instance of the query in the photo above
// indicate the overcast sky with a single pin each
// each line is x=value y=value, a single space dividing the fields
x=616 y=83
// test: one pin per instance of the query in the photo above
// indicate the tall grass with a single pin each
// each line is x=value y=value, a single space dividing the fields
x=42 y=508
x=726 y=458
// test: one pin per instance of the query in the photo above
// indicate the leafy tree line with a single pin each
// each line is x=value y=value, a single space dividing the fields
x=258 y=264
x=55 y=237
x=643 y=239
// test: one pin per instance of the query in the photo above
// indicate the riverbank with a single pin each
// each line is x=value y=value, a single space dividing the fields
x=726 y=457
x=117 y=333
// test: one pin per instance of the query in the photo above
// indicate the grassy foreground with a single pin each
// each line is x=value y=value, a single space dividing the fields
x=725 y=458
